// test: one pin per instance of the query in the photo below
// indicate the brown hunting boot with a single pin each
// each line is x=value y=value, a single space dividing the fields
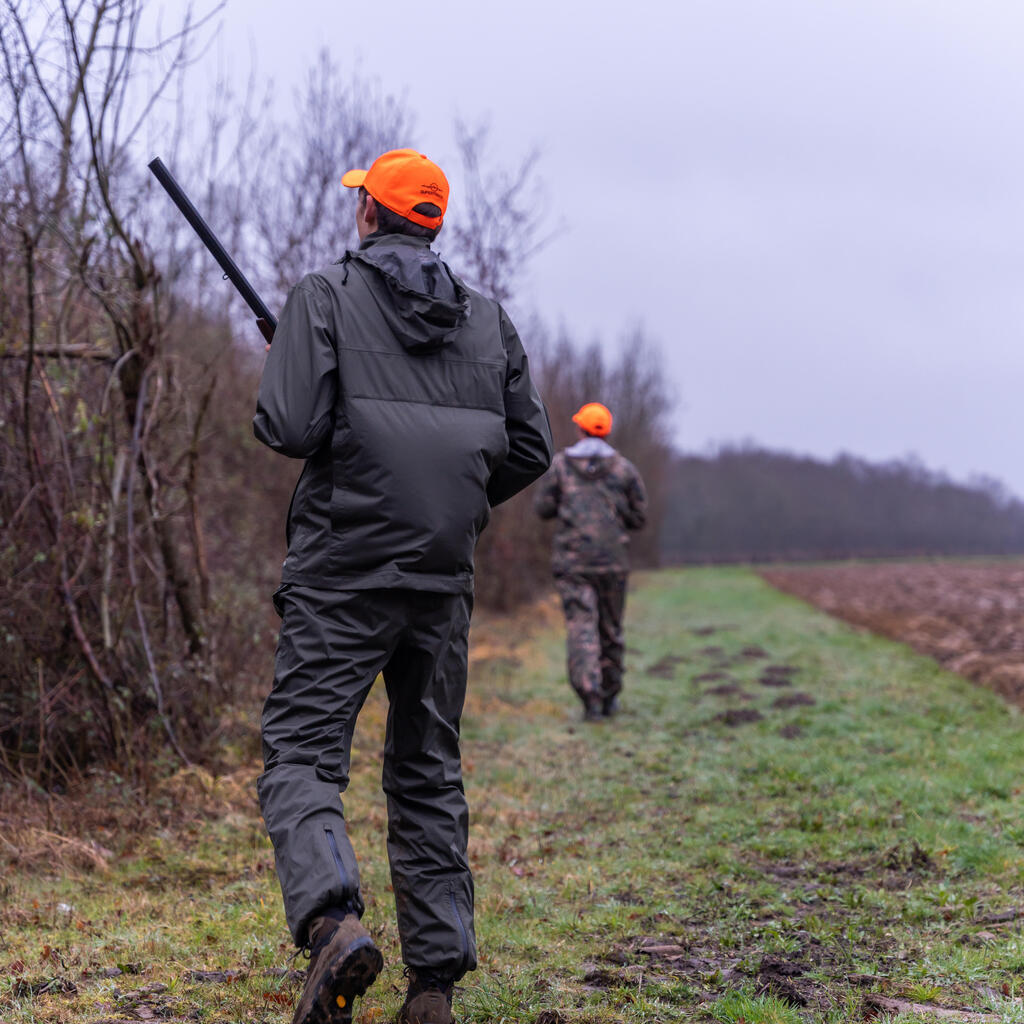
x=343 y=964
x=429 y=999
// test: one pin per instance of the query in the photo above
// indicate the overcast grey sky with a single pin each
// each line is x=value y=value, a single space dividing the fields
x=816 y=207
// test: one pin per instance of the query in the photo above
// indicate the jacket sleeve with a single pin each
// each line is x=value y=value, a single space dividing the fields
x=635 y=512
x=526 y=423
x=295 y=407
x=549 y=494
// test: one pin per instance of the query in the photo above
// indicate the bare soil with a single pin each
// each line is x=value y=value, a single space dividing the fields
x=967 y=616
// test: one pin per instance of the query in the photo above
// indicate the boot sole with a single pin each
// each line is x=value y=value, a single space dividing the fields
x=346 y=979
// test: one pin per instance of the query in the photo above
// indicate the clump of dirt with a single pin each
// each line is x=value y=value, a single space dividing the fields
x=549 y=1017
x=909 y=857
x=777 y=675
x=710 y=677
x=968 y=617
x=628 y=898
x=597 y=979
x=784 y=979
x=665 y=668
x=794 y=700
x=739 y=716
x=728 y=690
x=791 y=732
x=754 y=651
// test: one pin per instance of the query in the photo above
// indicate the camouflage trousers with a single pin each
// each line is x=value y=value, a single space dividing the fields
x=594 y=604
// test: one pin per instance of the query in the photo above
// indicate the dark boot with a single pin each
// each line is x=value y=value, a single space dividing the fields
x=429 y=999
x=610 y=707
x=343 y=964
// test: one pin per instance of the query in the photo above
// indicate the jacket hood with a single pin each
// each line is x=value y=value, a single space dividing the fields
x=423 y=302
x=590 y=457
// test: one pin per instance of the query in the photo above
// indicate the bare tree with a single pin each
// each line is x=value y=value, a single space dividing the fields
x=96 y=466
x=304 y=217
x=497 y=226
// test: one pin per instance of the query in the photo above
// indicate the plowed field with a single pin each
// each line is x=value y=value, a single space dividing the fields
x=969 y=617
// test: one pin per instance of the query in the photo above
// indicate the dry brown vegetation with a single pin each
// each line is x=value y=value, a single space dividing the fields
x=969 y=616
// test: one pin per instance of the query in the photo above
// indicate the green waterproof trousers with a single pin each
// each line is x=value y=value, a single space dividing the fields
x=332 y=646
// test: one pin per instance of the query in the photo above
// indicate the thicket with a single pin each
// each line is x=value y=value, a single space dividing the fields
x=141 y=526
x=751 y=505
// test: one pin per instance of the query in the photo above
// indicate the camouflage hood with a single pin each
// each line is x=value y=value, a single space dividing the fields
x=591 y=457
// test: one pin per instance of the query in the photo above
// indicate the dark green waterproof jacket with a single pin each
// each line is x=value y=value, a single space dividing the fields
x=409 y=396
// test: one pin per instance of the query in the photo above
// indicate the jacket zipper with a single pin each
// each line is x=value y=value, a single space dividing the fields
x=462 y=927
x=336 y=854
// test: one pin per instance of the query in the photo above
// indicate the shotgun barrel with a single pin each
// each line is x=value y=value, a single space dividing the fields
x=212 y=243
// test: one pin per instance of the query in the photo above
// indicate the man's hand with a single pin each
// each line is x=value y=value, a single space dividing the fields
x=265 y=329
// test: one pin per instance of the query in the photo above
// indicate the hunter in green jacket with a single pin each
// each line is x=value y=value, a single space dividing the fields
x=409 y=397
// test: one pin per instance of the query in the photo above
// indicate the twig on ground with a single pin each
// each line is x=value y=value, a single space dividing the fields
x=904 y=1006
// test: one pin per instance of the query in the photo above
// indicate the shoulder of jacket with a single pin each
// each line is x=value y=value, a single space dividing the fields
x=483 y=305
x=624 y=465
x=316 y=282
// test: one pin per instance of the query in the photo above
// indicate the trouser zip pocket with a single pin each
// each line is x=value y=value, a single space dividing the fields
x=336 y=854
x=462 y=927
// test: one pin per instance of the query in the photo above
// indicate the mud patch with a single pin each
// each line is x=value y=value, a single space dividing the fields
x=739 y=716
x=754 y=651
x=794 y=700
x=791 y=732
x=710 y=677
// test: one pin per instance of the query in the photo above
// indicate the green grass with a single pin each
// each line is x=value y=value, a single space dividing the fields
x=673 y=864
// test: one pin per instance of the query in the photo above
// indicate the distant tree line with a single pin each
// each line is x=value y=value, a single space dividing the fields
x=747 y=504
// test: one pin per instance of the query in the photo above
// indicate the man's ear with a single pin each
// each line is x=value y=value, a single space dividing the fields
x=370 y=211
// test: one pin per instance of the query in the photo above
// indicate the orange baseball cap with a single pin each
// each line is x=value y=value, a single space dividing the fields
x=595 y=419
x=401 y=179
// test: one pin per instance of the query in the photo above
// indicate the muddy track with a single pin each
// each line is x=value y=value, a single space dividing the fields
x=967 y=616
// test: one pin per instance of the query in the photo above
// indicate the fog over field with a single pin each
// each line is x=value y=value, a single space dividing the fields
x=816 y=208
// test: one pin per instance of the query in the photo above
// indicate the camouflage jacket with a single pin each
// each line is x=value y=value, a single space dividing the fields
x=598 y=498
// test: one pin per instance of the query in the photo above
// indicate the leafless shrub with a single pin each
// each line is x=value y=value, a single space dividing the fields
x=100 y=536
